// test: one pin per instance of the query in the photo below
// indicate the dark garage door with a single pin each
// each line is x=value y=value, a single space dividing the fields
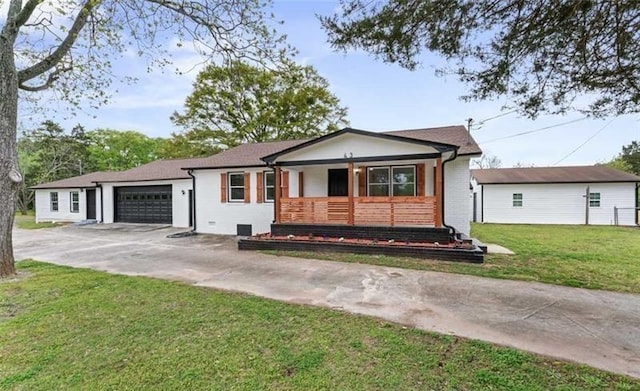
x=143 y=204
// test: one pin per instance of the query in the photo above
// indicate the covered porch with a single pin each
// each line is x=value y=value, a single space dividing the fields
x=401 y=193
x=360 y=178
x=362 y=192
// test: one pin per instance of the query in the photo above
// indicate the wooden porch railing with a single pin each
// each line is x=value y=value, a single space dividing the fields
x=315 y=210
x=385 y=211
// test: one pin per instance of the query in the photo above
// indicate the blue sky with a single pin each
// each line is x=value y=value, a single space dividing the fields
x=379 y=97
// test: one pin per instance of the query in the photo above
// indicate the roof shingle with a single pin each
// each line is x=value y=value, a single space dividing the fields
x=81 y=181
x=571 y=174
x=455 y=135
x=248 y=155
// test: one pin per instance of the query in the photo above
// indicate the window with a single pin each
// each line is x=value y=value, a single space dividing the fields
x=53 y=201
x=404 y=181
x=395 y=181
x=75 y=202
x=269 y=186
x=517 y=200
x=236 y=186
x=594 y=200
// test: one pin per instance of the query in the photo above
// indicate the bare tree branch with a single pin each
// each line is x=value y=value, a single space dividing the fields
x=63 y=49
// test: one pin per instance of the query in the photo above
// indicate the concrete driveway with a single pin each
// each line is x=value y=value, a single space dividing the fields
x=598 y=328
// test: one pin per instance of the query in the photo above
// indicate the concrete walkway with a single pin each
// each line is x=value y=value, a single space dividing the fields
x=598 y=328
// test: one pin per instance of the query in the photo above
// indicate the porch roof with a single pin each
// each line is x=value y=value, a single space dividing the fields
x=410 y=147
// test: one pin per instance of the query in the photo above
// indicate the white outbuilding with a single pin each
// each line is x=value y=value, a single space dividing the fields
x=597 y=195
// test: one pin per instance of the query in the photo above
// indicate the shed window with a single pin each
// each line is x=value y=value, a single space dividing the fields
x=395 y=181
x=75 y=202
x=236 y=186
x=594 y=200
x=269 y=186
x=517 y=200
x=53 y=201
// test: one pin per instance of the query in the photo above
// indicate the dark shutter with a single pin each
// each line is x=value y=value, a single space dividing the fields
x=223 y=187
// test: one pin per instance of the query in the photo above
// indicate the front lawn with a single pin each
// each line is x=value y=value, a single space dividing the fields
x=28 y=221
x=595 y=257
x=64 y=328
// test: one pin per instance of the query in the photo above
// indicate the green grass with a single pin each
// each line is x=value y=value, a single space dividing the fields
x=594 y=257
x=28 y=221
x=64 y=328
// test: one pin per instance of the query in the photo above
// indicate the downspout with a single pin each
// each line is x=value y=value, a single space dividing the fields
x=452 y=230
x=272 y=166
x=637 y=202
x=193 y=200
x=482 y=203
x=99 y=185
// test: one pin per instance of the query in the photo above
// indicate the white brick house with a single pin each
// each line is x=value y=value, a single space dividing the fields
x=406 y=178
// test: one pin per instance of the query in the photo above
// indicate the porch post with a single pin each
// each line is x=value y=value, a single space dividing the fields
x=438 y=190
x=277 y=191
x=350 y=192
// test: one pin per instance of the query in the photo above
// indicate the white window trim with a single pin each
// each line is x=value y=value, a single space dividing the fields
x=229 y=187
x=265 y=187
x=57 y=201
x=415 y=184
x=391 y=182
x=593 y=199
x=514 y=200
x=72 y=202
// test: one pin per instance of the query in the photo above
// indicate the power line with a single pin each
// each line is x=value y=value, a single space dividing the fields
x=584 y=143
x=495 y=116
x=533 y=131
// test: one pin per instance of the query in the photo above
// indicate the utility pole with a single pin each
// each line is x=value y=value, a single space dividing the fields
x=587 y=197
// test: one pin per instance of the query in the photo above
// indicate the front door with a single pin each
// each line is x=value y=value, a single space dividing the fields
x=338 y=182
x=91 y=204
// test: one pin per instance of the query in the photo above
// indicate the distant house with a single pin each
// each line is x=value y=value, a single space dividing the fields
x=597 y=195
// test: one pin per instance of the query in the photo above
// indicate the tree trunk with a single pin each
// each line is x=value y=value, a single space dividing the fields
x=10 y=178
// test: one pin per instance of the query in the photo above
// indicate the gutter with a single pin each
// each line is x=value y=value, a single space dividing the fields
x=99 y=185
x=452 y=230
x=193 y=201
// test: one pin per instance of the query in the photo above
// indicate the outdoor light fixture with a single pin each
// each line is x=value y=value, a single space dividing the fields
x=183 y=192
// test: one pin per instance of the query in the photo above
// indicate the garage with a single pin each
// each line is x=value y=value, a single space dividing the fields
x=144 y=204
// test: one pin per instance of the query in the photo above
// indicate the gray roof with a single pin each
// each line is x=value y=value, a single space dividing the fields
x=572 y=174
x=245 y=155
x=455 y=135
x=154 y=171
x=249 y=155
x=75 y=182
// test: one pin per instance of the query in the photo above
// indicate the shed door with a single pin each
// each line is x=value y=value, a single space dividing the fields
x=91 y=204
x=143 y=204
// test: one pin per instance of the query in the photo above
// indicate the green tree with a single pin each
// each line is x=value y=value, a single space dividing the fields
x=619 y=164
x=188 y=144
x=48 y=153
x=239 y=103
x=113 y=150
x=541 y=54
x=631 y=156
x=68 y=46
